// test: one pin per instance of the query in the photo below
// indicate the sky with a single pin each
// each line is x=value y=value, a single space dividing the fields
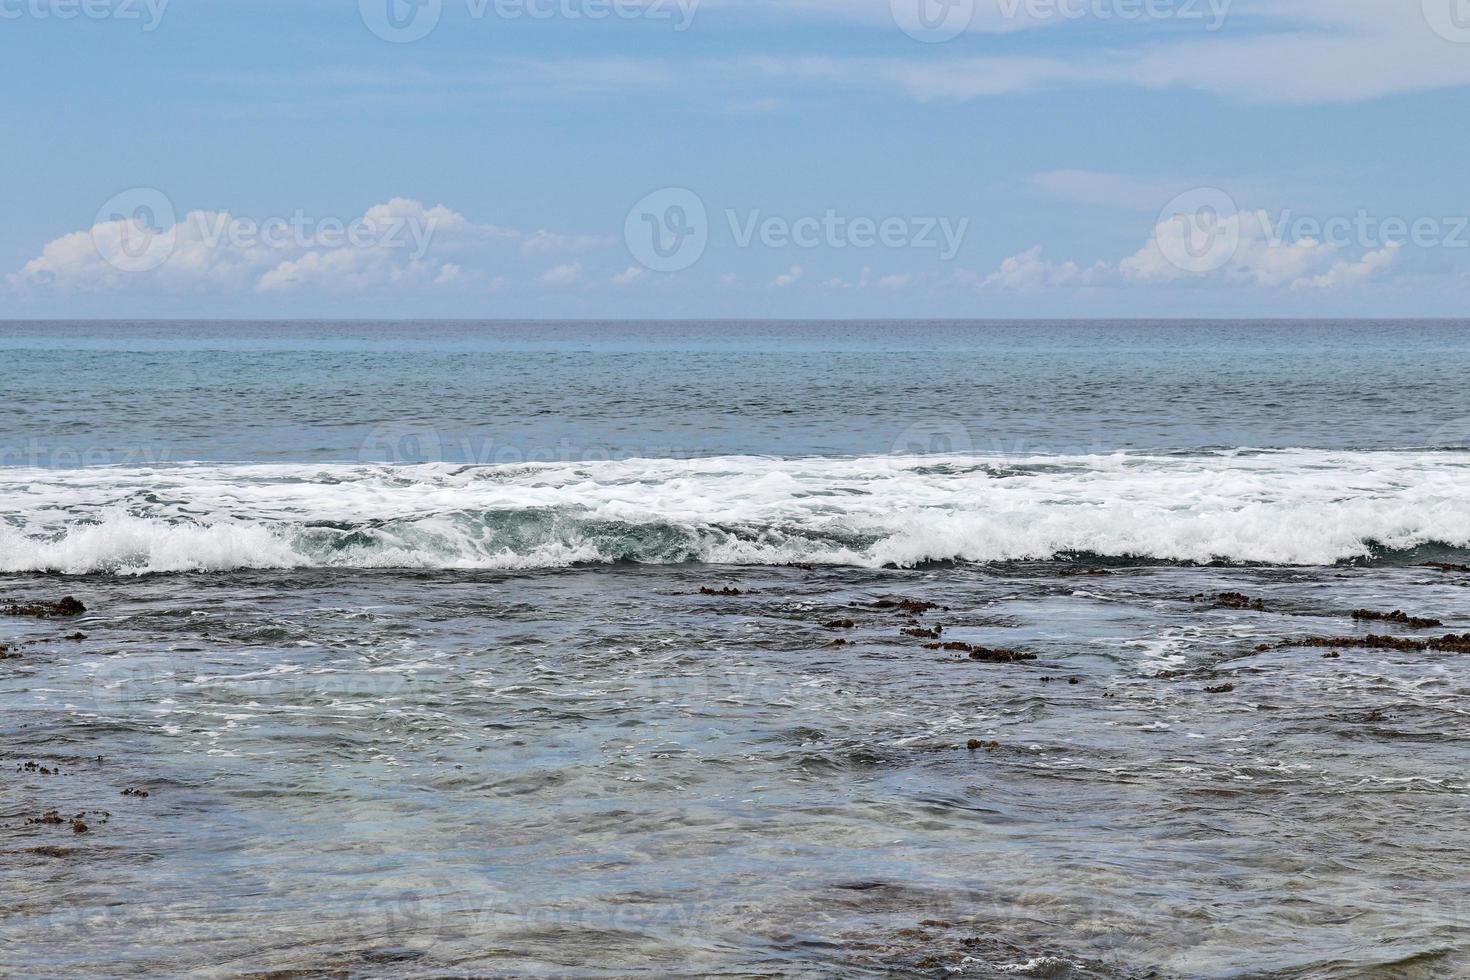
x=734 y=158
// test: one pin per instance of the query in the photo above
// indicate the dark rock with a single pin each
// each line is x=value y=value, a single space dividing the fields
x=982 y=653
x=1397 y=616
x=706 y=590
x=1231 y=600
x=67 y=606
x=839 y=624
x=912 y=606
x=924 y=634
x=1450 y=643
x=1222 y=689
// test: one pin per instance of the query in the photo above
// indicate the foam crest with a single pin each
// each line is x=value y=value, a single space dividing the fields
x=1287 y=507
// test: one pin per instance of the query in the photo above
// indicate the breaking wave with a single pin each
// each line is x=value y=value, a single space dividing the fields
x=1291 y=507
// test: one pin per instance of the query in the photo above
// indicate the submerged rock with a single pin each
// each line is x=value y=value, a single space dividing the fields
x=1397 y=616
x=1231 y=600
x=1449 y=643
x=910 y=606
x=66 y=606
x=986 y=654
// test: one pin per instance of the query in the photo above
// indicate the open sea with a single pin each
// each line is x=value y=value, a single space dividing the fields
x=769 y=649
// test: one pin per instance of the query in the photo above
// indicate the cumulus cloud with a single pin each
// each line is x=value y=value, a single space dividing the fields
x=396 y=243
x=1242 y=250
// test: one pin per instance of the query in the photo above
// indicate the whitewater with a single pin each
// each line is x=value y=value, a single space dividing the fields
x=1277 y=507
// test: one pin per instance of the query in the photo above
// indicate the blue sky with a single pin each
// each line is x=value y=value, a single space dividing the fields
x=734 y=158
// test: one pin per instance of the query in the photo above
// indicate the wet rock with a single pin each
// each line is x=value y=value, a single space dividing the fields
x=1449 y=643
x=975 y=745
x=924 y=634
x=142 y=794
x=1222 y=689
x=1397 y=616
x=52 y=852
x=76 y=637
x=1083 y=573
x=66 y=606
x=706 y=590
x=839 y=642
x=839 y=624
x=78 y=827
x=913 y=607
x=39 y=769
x=1375 y=716
x=985 y=654
x=1331 y=655
x=50 y=817
x=7 y=652
x=1446 y=566
x=1231 y=600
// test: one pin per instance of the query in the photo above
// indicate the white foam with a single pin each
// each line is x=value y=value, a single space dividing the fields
x=1295 y=507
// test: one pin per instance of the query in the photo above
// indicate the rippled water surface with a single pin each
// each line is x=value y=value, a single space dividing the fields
x=403 y=709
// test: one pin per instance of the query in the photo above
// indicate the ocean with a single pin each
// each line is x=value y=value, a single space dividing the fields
x=743 y=649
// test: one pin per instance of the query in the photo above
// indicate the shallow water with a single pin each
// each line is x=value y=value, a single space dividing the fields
x=426 y=719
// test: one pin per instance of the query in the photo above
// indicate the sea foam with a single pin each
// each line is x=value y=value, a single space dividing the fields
x=1290 y=507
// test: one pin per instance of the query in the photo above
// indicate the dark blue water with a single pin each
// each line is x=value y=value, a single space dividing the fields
x=502 y=392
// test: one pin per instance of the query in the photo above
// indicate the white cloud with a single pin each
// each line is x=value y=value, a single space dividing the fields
x=630 y=275
x=1344 y=273
x=562 y=275
x=1306 y=51
x=788 y=277
x=1242 y=251
x=391 y=244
